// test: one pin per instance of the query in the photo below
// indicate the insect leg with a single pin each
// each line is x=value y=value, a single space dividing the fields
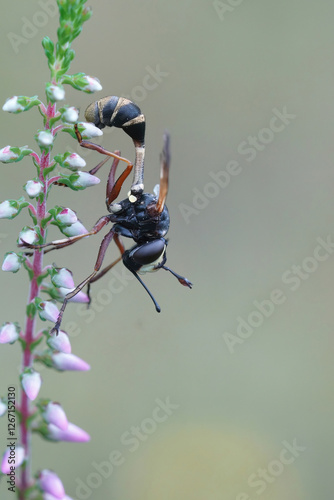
x=57 y=244
x=164 y=174
x=96 y=147
x=107 y=268
x=102 y=251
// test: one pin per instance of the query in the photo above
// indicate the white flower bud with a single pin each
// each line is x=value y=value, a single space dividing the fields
x=9 y=333
x=54 y=414
x=60 y=342
x=90 y=130
x=44 y=138
x=74 y=161
x=11 y=262
x=28 y=235
x=67 y=216
x=49 y=311
x=56 y=92
x=93 y=84
x=33 y=188
x=62 y=361
x=31 y=383
x=80 y=297
x=73 y=433
x=12 y=105
x=64 y=279
x=86 y=180
x=71 y=115
x=19 y=457
x=74 y=230
x=6 y=154
x=7 y=211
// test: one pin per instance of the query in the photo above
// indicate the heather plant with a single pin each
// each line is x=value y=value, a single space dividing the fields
x=26 y=412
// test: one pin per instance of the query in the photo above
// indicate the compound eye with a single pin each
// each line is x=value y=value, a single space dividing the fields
x=148 y=252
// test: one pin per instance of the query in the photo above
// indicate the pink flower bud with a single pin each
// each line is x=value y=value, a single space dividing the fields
x=12 y=105
x=44 y=138
x=54 y=414
x=9 y=333
x=3 y=408
x=74 y=161
x=7 y=155
x=60 y=342
x=49 y=482
x=86 y=180
x=75 y=229
x=93 y=84
x=7 y=211
x=90 y=130
x=62 y=361
x=31 y=383
x=28 y=235
x=71 y=115
x=33 y=188
x=63 y=279
x=19 y=457
x=73 y=433
x=67 y=216
x=80 y=297
x=11 y=262
x=49 y=311
x=56 y=92
x=48 y=496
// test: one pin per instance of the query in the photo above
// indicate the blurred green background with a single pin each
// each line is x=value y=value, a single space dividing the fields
x=239 y=394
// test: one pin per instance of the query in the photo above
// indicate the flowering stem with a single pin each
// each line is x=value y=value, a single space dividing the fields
x=57 y=354
x=29 y=338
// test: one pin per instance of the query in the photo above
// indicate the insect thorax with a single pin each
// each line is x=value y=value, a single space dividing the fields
x=134 y=220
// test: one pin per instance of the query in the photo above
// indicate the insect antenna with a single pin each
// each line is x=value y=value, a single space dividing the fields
x=157 y=307
x=181 y=279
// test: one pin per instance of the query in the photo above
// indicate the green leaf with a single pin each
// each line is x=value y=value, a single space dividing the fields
x=31 y=309
x=23 y=343
x=44 y=222
x=70 y=130
x=77 y=81
x=54 y=120
x=49 y=48
x=40 y=278
x=30 y=271
x=34 y=344
x=34 y=218
x=49 y=169
x=69 y=180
